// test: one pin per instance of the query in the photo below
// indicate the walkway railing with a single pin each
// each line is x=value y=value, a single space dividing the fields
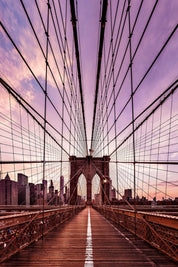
x=19 y=230
x=160 y=231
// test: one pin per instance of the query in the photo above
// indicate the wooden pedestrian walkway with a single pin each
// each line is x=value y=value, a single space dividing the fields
x=89 y=240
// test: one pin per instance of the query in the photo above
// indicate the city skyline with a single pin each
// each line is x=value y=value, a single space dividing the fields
x=23 y=192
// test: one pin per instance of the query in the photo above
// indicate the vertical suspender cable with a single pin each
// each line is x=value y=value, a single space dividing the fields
x=169 y=143
x=12 y=133
x=64 y=74
x=114 y=103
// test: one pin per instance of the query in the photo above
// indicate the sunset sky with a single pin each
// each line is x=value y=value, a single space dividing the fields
x=163 y=73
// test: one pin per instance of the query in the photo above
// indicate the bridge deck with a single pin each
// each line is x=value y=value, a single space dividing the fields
x=75 y=244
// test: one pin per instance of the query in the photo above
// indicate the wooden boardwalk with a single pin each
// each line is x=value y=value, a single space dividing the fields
x=76 y=244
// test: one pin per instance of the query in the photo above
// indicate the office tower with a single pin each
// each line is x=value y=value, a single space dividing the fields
x=61 y=185
x=51 y=189
x=8 y=191
x=23 y=189
x=33 y=194
x=127 y=194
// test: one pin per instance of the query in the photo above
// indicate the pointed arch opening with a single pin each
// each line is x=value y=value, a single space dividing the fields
x=81 y=189
x=96 y=190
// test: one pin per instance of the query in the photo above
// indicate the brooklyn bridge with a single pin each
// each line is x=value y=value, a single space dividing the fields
x=88 y=133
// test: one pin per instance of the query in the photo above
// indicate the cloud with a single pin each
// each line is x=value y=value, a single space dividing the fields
x=11 y=64
x=169 y=183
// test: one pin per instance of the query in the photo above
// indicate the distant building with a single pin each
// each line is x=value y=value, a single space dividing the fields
x=127 y=194
x=41 y=189
x=45 y=190
x=66 y=195
x=51 y=189
x=8 y=191
x=50 y=195
x=62 y=185
x=56 y=192
x=33 y=194
x=23 y=190
x=61 y=190
x=113 y=194
x=22 y=179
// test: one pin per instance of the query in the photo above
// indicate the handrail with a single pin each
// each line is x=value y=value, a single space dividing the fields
x=20 y=230
x=159 y=230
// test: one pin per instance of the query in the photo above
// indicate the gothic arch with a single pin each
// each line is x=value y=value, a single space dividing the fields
x=89 y=166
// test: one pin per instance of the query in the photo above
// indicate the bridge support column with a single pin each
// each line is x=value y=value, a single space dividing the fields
x=89 y=197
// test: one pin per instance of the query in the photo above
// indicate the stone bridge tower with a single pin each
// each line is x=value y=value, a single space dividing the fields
x=89 y=166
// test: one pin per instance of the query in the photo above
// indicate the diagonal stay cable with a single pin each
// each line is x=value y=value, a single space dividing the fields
x=21 y=100
x=138 y=126
x=18 y=100
x=73 y=19
x=31 y=71
x=102 y=31
x=138 y=116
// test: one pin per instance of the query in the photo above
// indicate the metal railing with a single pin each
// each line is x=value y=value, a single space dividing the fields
x=159 y=230
x=20 y=230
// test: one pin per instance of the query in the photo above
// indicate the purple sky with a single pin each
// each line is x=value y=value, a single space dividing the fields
x=163 y=73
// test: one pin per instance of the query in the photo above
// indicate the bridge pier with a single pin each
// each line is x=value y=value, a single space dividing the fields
x=89 y=195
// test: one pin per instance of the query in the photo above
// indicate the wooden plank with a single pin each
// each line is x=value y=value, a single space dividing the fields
x=66 y=246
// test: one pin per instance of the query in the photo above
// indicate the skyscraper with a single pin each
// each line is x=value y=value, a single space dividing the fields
x=51 y=189
x=8 y=191
x=62 y=186
x=42 y=189
x=127 y=194
x=33 y=194
x=22 y=179
x=45 y=190
x=23 y=190
x=50 y=195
